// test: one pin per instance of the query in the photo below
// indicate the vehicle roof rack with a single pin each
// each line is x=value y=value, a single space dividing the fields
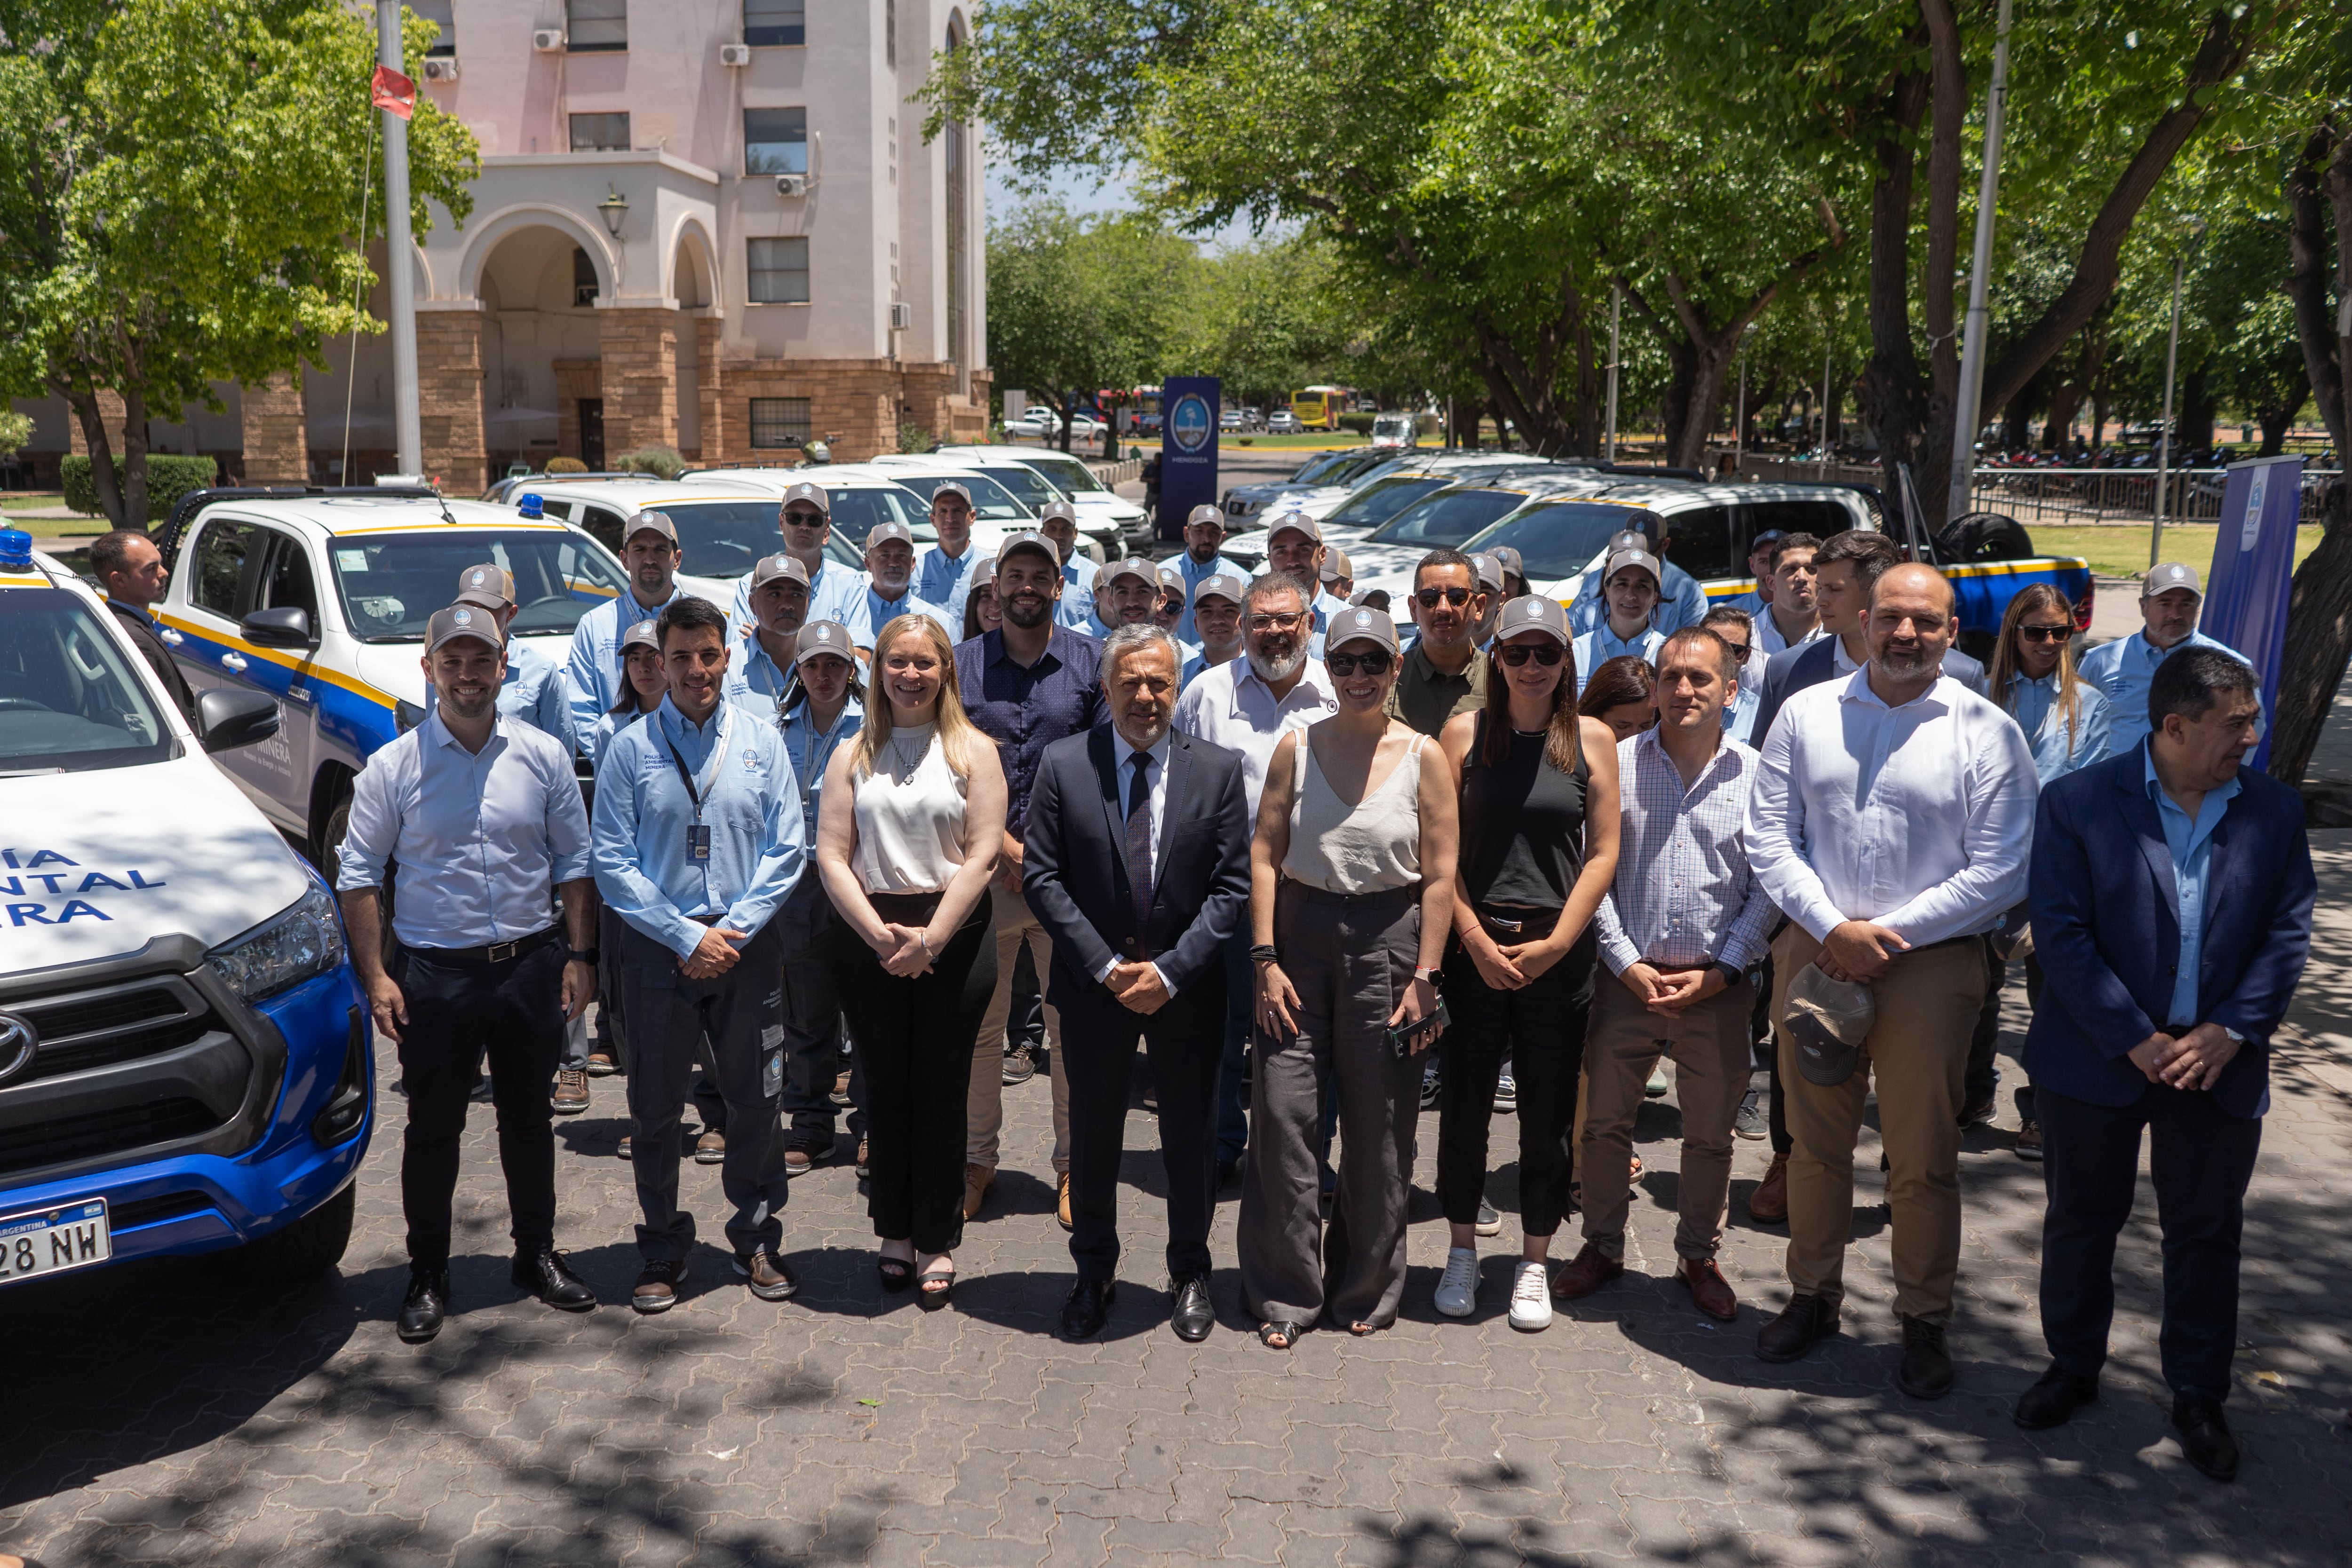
x=167 y=538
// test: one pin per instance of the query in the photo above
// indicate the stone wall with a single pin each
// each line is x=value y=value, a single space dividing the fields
x=277 y=433
x=449 y=399
x=640 y=354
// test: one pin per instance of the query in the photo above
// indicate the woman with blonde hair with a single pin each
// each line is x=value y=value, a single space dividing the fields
x=912 y=813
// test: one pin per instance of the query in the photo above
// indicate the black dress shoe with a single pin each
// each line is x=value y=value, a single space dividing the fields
x=2205 y=1436
x=1806 y=1319
x=1191 y=1317
x=551 y=1279
x=2052 y=1401
x=1226 y=1171
x=1925 y=1370
x=1087 y=1308
x=427 y=1301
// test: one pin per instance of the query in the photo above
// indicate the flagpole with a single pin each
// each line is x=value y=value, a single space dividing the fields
x=398 y=261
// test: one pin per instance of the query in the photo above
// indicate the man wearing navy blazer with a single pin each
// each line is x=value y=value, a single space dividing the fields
x=2171 y=899
x=1135 y=860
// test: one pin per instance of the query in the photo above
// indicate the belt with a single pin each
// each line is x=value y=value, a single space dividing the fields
x=495 y=952
x=1519 y=924
x=1382 y=898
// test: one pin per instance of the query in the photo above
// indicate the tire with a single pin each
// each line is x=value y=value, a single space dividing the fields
x=327 y=834
x=310 y=1247
x=1984 y=535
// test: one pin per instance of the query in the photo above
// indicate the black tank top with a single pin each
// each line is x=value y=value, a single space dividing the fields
x=1522 y=824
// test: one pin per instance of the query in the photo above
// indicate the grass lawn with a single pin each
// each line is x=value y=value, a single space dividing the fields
x=1306 y=441
x=30 y=500
x=2122 y=551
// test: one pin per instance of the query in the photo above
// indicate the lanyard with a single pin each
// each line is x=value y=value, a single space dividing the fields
x=718 y=756
x=807 y=774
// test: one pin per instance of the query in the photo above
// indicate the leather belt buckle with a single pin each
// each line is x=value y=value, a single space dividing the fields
x=500 y=952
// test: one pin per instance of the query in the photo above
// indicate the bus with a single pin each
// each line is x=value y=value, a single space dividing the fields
x=1319 y=407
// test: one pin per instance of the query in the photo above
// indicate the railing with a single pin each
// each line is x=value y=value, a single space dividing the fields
x=2059 y=497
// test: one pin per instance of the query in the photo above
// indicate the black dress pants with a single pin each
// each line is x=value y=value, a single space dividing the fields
x=1540 y=1028
x=514 y=1010
x=1184 y=1043
x=807 y=927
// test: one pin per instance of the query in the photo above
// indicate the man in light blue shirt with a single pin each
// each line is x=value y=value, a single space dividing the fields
x=2169 y=599
x=698 y=840
x=534 y=692
x=1204 y=537
x=649 y=549
x=943 y=574
x=1630 y=580
x=1058 y=521
x=1737 y=629
x=1759 y=566
x=2191 y=843
x=1216 y=609
x=759 y=675
x=890 y=569
x=805 y=518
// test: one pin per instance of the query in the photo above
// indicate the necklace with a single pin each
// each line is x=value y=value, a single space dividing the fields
x=902 y=763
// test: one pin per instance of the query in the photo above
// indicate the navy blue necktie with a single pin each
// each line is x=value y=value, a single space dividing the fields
x=1139 y=847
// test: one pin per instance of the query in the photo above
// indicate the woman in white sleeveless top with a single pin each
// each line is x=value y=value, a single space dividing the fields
x=1351 y=877
x=912 y=814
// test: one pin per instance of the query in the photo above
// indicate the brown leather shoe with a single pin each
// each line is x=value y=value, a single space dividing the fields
x=979 y=1181
x=569 y=1096
x=1710 y=1291
x=1768 y=1204
x=1590 y=1269
x=1062 y=1204
x=710 y=1149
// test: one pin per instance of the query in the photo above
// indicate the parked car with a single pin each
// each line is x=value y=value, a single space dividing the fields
x=1229 y=419
x=1395 y=431
x=1036 y=419
x=1114 y=523
x=1282 y=422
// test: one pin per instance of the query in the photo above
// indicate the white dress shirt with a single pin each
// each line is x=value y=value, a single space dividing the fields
x=1683 y=893
x=1228 y=705
x=1769 y=640
x=482 y=837
x=1157 y=804
x=1918 y=817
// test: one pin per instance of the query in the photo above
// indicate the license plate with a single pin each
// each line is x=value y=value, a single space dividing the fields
x=54 y=1241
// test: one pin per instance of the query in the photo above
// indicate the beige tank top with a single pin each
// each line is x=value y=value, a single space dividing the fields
x=1369 y=846
x=910 y=816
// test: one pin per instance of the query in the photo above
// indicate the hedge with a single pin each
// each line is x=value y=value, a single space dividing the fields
x=565 y=466
x=168 y=479
x=660 y=462
x=1361 y=424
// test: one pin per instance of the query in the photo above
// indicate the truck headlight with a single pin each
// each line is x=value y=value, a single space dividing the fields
x=304 y=940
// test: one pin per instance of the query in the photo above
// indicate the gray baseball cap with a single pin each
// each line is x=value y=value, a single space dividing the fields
x=463 y=621
x=1224 y=584
x=1490 y=571
x=1827 y=1022
x=952 y=487
x=645 y=633
x=1294 y=521
x=1533 y=612
x=983 y=574
x=649 y=522
x=1128 y=565
x=823 y=637
x=1360 y=625
x=1052 y=510
x=812 y=493
x=1204 y=513
x=1173 y=581
x=1620 y=559
x=1027 y=538
x=1509 y=559
x=2166 y=576
x=884 y=532
x=1336 y=564
x=767 y=568
x=490 y=585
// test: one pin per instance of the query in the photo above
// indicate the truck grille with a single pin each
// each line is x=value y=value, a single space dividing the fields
x=100 y=1028
x=100 y=1133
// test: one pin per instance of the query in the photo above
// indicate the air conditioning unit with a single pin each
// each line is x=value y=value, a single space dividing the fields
x=735 y=56
x=902 y=316
x=791 y=184
x=443 y=69
x=548 y=40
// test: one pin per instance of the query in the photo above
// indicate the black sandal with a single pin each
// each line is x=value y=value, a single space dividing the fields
x=931 y=1300
x=1267 y=1332
x=898 y=1273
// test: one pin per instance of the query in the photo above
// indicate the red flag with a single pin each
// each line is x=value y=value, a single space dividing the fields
x=394 y=92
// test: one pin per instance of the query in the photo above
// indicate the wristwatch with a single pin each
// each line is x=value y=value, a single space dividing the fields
x=583 y=955
x=2235 y=1037
x=1731 y=976
x=1421 y=974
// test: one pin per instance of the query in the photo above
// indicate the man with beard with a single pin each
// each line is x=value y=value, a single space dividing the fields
x=1204 y=537
x=1248 y=705
x=1890 y=821
x=1027 y=685
x=1791 y=617
x=1294 y=547
x=889 y=572
x=806 y=520
x=1445 y=671
x=649 y=549
x=1140 y=902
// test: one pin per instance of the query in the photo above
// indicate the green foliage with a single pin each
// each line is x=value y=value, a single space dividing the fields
x=168 y=479
x=1357 y=423
x=659 y=461
x=913 y=437
x=1084 y=303
x=15 y=429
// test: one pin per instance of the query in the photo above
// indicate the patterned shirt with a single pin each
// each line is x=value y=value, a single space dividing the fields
x=1025 y=709
x=1683 y=894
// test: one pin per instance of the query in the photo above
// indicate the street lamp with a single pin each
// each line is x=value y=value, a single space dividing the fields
x=615 y=207
x=2194 y=227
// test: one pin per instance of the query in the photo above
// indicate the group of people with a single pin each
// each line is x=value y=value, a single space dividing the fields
x=1303 y=852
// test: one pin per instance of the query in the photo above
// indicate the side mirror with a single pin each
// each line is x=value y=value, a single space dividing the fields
x=283 y=627
x=226 y=718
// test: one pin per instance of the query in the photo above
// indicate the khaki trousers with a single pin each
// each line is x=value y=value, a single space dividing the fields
x=1709 y=1046
x=985 y=1102
x=1927 y=1002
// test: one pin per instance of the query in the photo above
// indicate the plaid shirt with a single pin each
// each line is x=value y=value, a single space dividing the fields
x=1025 y=709
x=1683 y=893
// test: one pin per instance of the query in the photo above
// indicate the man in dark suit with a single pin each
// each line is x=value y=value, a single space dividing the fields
x=131 y=569
x=1137 y=863
x=2171 y=898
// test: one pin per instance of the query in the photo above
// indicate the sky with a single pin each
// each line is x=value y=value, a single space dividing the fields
x=1081 y=194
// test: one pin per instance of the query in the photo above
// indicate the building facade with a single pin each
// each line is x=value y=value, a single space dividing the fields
x=712 y=225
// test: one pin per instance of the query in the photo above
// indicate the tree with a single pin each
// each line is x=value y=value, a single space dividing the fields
x=180 y=198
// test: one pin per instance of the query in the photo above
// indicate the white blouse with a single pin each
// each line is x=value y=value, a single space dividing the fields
x=910 y=815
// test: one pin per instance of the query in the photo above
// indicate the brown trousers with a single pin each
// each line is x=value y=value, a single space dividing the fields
x=1709 y=1046
x=985 y=1102
x=1927 y=1002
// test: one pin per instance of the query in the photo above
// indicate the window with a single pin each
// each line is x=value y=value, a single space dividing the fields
x=775 y=142
x=438 y=12
x=68 y=702
x=891 y=33
x=779 y=420
x=391 y=584
x=600 y=133
x=220 y=566
x=779 y=272
x=775 y=22
x=1820 y=519
x=594 y=26
x=287 y=585
x=1699 y=541
x=583 y=276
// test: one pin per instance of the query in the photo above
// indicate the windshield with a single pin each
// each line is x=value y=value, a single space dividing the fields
x=1381 y=500
x=990 y=502
x=1558 y=539
x=854 y=513
x=1448 y=519
x=1032 y=489
x=69 y=702
x=391 y=583
x=1069 y=476
x=1397 y=426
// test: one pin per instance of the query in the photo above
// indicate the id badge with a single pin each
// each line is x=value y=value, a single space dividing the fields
x=697 y=840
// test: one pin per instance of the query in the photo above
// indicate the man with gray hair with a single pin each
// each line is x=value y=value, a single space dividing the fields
x=1140 y=902
x=1248 y=705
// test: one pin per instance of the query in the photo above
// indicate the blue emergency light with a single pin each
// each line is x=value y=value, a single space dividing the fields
x=15 y=550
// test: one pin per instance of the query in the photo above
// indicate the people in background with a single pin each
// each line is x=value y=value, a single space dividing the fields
x=1058 y=522
x=980 y=610
x=1216 y=612
x=889 y=575
x=1630 y=580
x=650 y=553
x=824 y=712
x=1759 y=566
x=762 y=673
x=131 y=570
x=804 y=519
x=1338 y=574
x=1446 y=671
x=1791 y=617
x=1622 y=695
x=2169 y=600
x=1681 y=602
x=1738 y=631
x=1204 y=538
x=944 y=572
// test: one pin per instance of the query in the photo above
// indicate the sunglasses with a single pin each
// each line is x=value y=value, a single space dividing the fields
x=1345 y=665
x=1739 y=651
x=1431 y=598
x=1518 y=653
x=2045 y=634
x=807 y=520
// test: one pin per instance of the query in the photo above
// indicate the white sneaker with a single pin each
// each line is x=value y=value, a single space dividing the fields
x=1457 y=1292
x=1530 y=1297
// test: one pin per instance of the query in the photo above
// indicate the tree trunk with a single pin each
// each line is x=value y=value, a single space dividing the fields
x=1069 y=412
x=2319 y=639
x=135 y=455
x=2200 y=405
x=83 y=401
x=2307 y=277
x=2277 y=423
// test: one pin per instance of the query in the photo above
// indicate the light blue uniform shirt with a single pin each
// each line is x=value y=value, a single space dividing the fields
x=758 y=847
x=1740 y=713
x=835 y=586
x=535 y=693
x=2191 y=844
x=482 y=837
x=869 y=612
x=595 y=670
x=1598 y=646
x=600 y=741
x=753 y=680
x=2124 y=669
x=1076 y=606
x=1681 y=602
x=1196 y=665
x=945 y=580
x=2035 y=706
x=811 y=749
x=1192 y=571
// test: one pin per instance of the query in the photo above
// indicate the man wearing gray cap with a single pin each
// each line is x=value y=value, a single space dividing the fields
x=889 y=576
x=1204 y=538
x=533 y=692
x=761 y=676
x=484 y=817
x=1339 y=573
x=944 y=575
x=1216 y=613
x=649 y=550
x=1294 y=547
x=1058 y=521
x=804 y=519
x=2169 y=599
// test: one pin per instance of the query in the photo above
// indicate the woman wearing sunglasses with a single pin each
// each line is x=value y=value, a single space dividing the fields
x=2066 y=720
x=1351 y=874
x=1538 y=850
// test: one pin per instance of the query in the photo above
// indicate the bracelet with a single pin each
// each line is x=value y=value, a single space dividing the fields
x=1265 y=953
x=924 y=936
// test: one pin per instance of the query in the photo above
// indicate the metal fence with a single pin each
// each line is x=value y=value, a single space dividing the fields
x=2062 y=497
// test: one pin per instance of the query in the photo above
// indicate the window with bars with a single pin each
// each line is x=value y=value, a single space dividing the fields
x=600 y=133
x=778 y=421
x=775 y=21
x=775 y=142
x=591 y=27
x=779 y=271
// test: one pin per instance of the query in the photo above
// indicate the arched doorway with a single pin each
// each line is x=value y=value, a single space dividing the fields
x=542 y=392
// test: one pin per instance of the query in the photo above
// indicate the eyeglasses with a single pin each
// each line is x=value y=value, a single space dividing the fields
x=1739 y=651
x=1276 y=622
x=2045 y=634
x=1432 y=597
x=1518 y=653
x=1375 y=662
